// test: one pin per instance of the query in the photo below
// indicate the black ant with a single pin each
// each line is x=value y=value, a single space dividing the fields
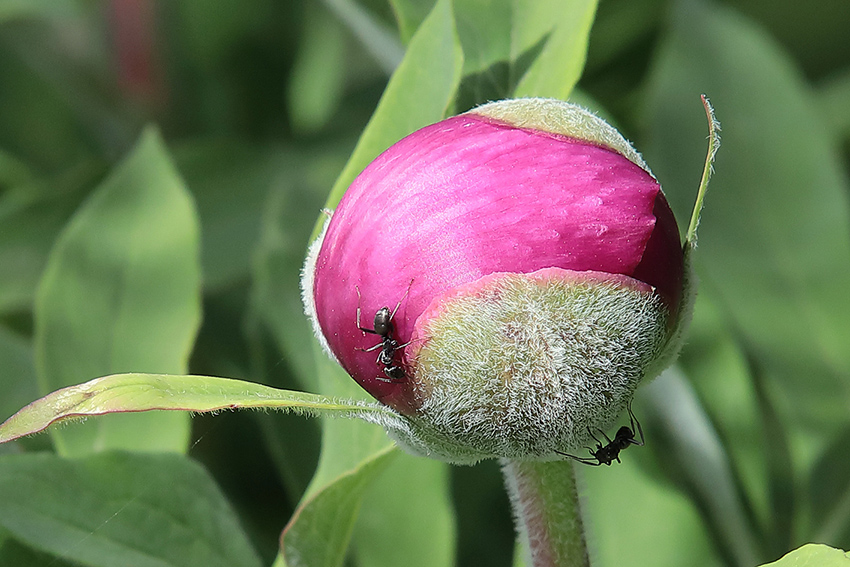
x=383 y=327
x=607 y=454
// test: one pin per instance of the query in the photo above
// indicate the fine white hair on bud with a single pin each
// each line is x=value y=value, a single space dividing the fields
x=524 y=365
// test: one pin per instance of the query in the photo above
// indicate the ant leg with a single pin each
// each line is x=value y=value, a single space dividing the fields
x=582 y=460
x=605 y=435
x=370 y=349
x=397 y=305
x=595 y=439
x=634 y=421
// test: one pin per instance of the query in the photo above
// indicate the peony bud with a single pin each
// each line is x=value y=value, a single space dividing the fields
x=532 y=275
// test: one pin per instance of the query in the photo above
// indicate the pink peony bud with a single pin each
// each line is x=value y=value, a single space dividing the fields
x=532 y=276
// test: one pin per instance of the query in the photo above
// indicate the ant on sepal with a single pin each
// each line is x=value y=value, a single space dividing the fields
x=383 y=327
x=607 y=454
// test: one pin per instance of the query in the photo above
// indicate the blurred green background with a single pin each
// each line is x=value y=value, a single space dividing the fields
x=214 y=131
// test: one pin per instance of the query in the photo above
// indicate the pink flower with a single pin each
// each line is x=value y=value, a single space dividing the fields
x=485 y=235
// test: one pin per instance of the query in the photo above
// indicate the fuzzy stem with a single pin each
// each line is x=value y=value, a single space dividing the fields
x=547 y=512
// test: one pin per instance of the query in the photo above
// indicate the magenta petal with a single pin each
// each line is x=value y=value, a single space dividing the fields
x=468 y=197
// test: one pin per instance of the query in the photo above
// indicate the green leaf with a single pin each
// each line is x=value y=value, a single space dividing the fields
x=663 y=527
x=813 y=555
x=773 y=239
x=485 y=32
x=121 y=509
x=319 y=532
x=375 y=36
x=691 y=452
x=56 y=9
x=391 y=501
x=557 y=68
x=17 y=373
x=317 y=80
x=834 y=100
x=409 y=16
x=16 y=554
x=353 y=454
x=121 y=293
x=419 y=93
x=230 y=219
x=829 y=492
x=121 y=393
x=31 y=217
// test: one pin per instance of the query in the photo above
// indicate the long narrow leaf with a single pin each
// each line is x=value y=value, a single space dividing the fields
x=123 y=393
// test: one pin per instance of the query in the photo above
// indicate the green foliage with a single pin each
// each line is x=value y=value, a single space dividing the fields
x=121 y=509
x=123 y=250
x=121 y=291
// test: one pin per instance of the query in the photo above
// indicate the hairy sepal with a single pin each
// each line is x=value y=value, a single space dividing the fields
x=521 y=365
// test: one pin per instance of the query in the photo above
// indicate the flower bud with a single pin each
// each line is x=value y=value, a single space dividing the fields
x=503 y=279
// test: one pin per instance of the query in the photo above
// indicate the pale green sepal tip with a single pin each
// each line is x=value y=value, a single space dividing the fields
x=708 y=170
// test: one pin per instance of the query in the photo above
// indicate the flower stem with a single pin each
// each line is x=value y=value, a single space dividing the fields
x=547 y=512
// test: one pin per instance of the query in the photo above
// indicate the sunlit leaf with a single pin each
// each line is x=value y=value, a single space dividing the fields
x=419 y=93
x=557 y=68
x=813 y=555
x=121 y=293
x=121 y=393
x=408 y=484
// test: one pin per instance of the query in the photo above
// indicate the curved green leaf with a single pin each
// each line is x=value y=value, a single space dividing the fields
x=317 y=80
x=319 y=532
x=691 y=447
x=612 y=501
x=407 y=484
x=353 y=454
x=557 y=68
x=813 y=555
x=121 y=509
x=419 y=93
x=121 y=393
x=121 y=293
x=774 y=240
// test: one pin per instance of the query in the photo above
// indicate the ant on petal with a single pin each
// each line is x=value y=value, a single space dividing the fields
x=383 y=327
x=607 y=454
